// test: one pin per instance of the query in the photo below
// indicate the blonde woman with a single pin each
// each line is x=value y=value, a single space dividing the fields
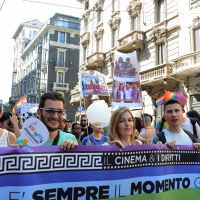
x=122 y=128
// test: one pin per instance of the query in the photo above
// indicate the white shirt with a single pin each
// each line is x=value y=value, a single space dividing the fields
x=187 y=125
x=128 y=93
x=181 y=138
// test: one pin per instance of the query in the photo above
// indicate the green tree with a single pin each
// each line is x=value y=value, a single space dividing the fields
x=6 y=107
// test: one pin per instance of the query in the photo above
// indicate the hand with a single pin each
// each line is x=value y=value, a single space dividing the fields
x=171 y=144
x=196 y=146
x=14 y=120
x=88 y=142
x=16 y=145
x=68 y=145
x=117 y=143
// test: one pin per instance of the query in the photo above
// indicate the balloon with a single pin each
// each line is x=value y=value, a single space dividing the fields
x=98 y=115
x=33 y=110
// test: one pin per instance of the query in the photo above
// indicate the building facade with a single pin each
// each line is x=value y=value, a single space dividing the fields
x=165 y=35
x=59 y=59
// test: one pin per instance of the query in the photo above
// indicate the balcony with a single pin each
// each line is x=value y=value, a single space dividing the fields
x=64 y=24
x=42 y=87
x=44 y=67
x=60 y=87
x=95 y=60
x=75 y=98
x=132 y=41
x=84 y=38
x=187 y=65
x=61 y=65
x=32 y=92
x=158 y=75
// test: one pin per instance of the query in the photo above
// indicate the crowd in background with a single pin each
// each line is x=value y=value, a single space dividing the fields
x=124 y=129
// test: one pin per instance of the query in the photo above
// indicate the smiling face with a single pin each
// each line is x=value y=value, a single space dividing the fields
x=173 y=114
x=126 y=125
x=53 y=121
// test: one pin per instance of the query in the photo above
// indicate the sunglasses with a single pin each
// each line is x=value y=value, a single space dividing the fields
x=83 y=120
x=52 y=112
x=32 y=114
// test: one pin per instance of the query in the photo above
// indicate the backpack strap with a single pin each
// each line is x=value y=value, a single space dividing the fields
x=161 y=137
x=192 y=137
x=193 y=122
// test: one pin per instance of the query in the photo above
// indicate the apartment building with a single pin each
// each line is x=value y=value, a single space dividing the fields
x=59 y=59
x=165 y=35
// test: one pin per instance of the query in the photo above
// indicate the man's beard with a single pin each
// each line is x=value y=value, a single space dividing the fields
x=50 y=129
x=83 y=125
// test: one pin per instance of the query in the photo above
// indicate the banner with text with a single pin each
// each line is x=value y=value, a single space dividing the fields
x=100 y=172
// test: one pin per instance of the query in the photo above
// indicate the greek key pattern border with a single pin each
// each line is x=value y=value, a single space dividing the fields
x=31 y=163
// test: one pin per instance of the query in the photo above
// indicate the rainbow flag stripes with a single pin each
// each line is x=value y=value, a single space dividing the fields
x=171 y=95
x=18 y=105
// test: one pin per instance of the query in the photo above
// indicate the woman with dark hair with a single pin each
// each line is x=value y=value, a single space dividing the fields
x=195 y=115
x=10 y=123
x=76 y=131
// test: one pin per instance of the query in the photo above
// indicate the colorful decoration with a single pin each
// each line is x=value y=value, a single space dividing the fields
x=18 y=105
x=171 y=95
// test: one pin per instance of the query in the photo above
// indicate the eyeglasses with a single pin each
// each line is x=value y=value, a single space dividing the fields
x=52 y=112
x=83 y=120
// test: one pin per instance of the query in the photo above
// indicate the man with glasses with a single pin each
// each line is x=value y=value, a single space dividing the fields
x=50 y=112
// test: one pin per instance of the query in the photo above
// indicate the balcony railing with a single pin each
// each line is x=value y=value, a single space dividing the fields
x=96 y=59
x=155 y=75
x=32 y=92
x=131 y=41
x=84 y=38
x=60 y=87
x=75 y=97
x=65 y=24
x=187 y=64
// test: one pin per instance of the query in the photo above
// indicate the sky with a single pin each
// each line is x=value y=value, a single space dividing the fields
x=12 y=14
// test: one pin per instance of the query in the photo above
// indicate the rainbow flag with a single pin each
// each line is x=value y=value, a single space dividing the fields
x=14 y=110
x=18 y=105
x=160 y=100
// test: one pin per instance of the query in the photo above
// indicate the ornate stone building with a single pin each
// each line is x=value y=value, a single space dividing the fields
x=164 y=33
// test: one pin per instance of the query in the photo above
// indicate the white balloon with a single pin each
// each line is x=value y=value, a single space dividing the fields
x=98 y=115
x=33 y=110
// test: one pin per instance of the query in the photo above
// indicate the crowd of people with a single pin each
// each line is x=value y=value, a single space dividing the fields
x=124 y=129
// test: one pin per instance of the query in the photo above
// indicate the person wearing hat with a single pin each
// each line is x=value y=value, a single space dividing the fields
x=187 y=123
x=174 y=134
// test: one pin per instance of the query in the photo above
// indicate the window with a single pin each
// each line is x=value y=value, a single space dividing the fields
x=60 y=77
x=86 y=24
x=98 y=45
x=23 y=32
x=30 y=33
x=84 y=54
x=45 y=58
x=98 y=15
x=114 y=5
x=61 y=37
x=197 y=39
x=61 y=59
x=161 y=54
x=135 y=23
x=160 y=11
x=34 y=33
x=115 y=38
